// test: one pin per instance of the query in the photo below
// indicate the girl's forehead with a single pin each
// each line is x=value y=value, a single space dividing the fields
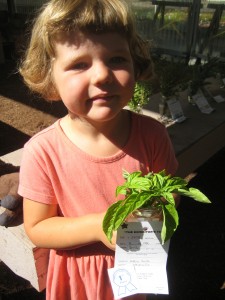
x=80 y=39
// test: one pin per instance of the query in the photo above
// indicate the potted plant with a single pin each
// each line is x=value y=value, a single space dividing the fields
x=198 y=77
x=141 y=96
x=146 y=195
x=171 y=76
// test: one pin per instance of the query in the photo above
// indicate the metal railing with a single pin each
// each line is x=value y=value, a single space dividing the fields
x=183 y=28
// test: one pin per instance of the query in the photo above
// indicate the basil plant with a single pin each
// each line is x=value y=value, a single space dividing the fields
x=146 y=191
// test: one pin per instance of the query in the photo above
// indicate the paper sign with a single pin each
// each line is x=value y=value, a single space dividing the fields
x=176 y=110
x=124 y=281
x=219 y=99
x=202 y=103
x=139 y=245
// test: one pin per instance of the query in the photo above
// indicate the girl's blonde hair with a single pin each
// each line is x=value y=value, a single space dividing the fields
x=59 y=17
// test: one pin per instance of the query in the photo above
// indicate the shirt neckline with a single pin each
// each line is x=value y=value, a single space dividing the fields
x=117 y=156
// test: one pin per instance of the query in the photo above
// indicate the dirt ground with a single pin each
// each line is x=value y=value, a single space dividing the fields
x=196 y=262
x=22 y=114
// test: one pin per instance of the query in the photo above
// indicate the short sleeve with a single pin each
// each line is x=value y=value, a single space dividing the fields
x=34 y=183
x=152 y=145
x=164 y=156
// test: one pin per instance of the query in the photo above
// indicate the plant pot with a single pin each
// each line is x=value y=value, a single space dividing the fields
x=163 y=107
x=149 y=214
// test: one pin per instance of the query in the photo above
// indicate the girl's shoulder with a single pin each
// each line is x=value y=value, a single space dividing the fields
x=45 y=137
x=146 y=122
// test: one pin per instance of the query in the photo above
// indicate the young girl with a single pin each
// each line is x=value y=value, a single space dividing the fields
x=88 y=55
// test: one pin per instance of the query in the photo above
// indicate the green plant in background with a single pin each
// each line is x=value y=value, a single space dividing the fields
x=142 y=9
x=218 y=71
x=141 y=97
x=218 y=67
x=199 y=73
x=171 y=76
x=197 y=80
x=153 y=189
x=175 y=15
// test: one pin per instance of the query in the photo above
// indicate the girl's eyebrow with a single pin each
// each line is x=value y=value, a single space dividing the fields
x=67 y=63
x=73 y=58
x=79 y=56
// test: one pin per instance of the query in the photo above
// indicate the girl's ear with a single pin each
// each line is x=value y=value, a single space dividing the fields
x=52 y=94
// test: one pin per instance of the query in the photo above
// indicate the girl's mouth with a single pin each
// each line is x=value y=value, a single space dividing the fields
x=102 y=98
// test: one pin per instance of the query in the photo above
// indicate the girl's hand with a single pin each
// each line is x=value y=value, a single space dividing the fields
x=107 y=243
x=48 y=230
x=103 y=238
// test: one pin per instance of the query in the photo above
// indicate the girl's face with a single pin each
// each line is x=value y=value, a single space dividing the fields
x=93 y=74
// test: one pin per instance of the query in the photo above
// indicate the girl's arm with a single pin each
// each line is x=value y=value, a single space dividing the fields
x=47 y=230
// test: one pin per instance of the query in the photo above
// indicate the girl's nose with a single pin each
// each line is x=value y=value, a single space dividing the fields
x=101 y=74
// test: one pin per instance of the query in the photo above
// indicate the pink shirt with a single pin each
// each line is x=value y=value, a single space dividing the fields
x=55 y=171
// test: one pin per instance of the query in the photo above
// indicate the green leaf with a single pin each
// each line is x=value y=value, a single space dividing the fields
x=121 y=189
x=176 y=183
x=170 y=222
x=194 y=194
x=168 y=197
x=158 y=181
x=125 y=174
x=149 y=175
x=163 y=173
x=139 y=183
x=109 y=219
x=134 y=181
x=119 y=211
x=132 y=176
x=132 y=203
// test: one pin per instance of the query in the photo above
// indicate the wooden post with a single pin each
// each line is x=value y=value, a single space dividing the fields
x=2 y=57
x=17 y=251
x=11 y=7
x=22 y=257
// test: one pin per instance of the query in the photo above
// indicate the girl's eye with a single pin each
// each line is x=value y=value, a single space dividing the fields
x=80 y=66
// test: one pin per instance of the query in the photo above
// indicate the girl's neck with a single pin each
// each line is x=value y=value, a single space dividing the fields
x=102 y=140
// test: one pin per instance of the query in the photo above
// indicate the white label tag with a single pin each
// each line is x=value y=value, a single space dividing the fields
x=176 y=110
x=139 y=245
x=202 y=103
x=124 y=281
x=219 y=99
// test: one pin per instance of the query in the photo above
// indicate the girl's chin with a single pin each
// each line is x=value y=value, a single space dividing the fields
x=102 y=115
x=97 y=114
